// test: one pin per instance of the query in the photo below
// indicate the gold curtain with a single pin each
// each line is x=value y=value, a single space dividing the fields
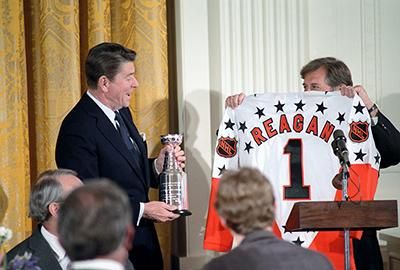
x=54 y=72
x=150 y=104
x=14 y=142
x=43 y=44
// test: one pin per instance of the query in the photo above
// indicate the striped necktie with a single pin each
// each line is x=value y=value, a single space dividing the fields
x=123 y=131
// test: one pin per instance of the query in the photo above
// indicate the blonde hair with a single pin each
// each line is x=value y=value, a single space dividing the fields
x=245 y=200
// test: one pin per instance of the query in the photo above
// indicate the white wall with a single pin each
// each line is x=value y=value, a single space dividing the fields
x=388 y=94
x=229 y=46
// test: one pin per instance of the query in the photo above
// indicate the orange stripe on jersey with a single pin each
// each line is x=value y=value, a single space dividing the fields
x=216 y=237
x=331 y=244
x=275 y=230
x=362 y=183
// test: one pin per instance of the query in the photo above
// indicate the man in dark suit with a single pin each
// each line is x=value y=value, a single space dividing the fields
x=99 y=139
x=328 y=74
x=331 y=74
x=245 y=203
x=48 y=193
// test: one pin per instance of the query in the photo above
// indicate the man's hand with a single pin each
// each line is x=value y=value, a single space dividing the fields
x=234 y=100
x=179 y=154
x=350 y=91
x=159 y=211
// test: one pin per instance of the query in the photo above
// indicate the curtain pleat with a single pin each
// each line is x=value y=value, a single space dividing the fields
x=99 y=21
x=55 y=72
x=150 y=102
x=14 y=139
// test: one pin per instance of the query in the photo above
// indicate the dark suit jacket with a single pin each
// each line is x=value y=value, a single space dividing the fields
x=387 y=140
x=367 y=253
x=90 y=144
x=38 y=246
x=261 y=250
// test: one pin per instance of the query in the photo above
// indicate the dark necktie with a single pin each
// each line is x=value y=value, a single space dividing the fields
x=123 y=131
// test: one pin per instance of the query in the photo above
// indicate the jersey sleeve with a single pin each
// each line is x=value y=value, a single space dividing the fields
x=217 y=237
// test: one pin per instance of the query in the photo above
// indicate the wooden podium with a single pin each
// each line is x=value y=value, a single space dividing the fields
x=343 y=216
x=340 y=215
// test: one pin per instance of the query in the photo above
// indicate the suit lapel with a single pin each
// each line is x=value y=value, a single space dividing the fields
x=134 y=133
x=107 y=129
x=42 y=249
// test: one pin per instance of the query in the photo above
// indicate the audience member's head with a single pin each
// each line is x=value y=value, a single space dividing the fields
x=48 y=193
x=245 y=201
x=95 y=221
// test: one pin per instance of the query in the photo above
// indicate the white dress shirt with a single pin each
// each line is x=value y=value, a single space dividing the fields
x=55 y=245
x=97 y=264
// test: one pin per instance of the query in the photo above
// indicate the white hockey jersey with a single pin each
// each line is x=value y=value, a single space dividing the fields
x=288 y=137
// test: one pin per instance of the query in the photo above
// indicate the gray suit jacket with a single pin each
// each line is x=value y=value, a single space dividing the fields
x=262 y=250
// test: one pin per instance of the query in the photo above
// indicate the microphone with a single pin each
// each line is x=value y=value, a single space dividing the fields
x=340 y=150
x=339 y=147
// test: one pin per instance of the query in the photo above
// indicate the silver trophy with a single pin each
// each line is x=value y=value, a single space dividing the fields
x=173 y=188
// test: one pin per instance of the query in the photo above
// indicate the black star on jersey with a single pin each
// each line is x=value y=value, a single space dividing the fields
x=221 y=170
x=279 y=106
x=229 y=124
x=360 y=155
x=260 y=112
x=340 y=118
x=359 y=108
x=298 y=242
x=242 y=126
x=321 y=108
x=299 y=105
x=248 y=147
x=377 y=158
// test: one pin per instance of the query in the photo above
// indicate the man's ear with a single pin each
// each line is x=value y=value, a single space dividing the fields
x=53 y=208
x=103 y=83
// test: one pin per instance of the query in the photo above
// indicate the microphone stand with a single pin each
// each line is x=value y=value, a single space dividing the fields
x=345 y=175
x=340 y=150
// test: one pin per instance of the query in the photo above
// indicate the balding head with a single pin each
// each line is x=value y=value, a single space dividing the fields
x=100 y=216
x=51 y=187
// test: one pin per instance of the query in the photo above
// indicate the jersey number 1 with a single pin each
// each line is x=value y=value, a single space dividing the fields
x=296 y=189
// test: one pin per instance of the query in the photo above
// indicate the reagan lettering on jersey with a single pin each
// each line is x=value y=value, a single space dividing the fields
x=270 y=128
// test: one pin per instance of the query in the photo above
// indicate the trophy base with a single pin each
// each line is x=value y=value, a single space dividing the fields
x=182 y=212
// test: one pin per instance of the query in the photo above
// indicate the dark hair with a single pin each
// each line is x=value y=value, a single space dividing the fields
x=106 y=59
x=337 y=72
x=245 y=200
x=93 y=220
x=47 y=189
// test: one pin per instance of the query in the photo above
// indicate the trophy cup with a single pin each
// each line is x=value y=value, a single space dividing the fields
x=173 y=189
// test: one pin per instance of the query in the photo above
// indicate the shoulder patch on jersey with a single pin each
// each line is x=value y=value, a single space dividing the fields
x=359 y=131
x=227 y=147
